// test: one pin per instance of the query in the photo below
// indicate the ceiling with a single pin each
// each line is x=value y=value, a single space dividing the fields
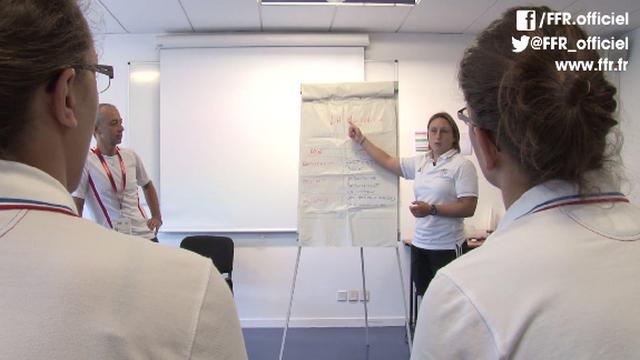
x=429 y=16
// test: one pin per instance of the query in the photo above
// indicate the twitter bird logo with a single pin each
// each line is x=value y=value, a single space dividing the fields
x=519 y=45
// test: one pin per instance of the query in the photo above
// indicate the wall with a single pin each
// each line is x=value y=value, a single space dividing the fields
x=264 y=265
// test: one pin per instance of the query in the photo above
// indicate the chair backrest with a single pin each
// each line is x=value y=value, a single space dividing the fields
x=218 y=248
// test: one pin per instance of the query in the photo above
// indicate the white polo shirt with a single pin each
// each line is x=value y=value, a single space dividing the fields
x=560 y=283
x=71 y=289
x=451 y=178
x=104 y=207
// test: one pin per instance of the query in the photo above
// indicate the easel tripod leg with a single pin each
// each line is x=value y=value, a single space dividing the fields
x=293 y=287
x=404 y=300
x=364 y=294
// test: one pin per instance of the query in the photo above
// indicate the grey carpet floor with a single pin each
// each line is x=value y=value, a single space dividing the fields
x=386 y=343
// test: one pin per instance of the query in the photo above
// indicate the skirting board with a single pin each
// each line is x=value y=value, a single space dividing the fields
x=322 y=322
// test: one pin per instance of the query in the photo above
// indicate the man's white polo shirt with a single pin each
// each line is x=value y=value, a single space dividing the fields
x=103 y=204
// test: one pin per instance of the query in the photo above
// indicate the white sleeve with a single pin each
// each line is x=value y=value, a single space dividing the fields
x=83 y=186
x=408 y=167
x=218 y=334
x=142 y=178
x=466 y=180
x=450 y=327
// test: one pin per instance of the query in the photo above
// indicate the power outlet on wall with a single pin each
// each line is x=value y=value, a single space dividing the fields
x=354 y=294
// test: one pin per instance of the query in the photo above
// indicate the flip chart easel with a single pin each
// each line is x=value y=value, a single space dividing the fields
x=345 y=198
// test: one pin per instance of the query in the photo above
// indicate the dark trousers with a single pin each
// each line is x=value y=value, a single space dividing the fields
x=425 y=263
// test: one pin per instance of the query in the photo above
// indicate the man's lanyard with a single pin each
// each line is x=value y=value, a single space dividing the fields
x=610 y=197
x=123 y=171
x=24 y=204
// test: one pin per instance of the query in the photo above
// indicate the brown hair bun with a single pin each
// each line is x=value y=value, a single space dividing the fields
x=555 y=123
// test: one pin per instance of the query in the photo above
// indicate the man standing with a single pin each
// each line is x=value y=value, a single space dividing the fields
x=110 y=181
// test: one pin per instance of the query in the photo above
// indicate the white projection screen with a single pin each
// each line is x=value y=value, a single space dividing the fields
x=229 y=132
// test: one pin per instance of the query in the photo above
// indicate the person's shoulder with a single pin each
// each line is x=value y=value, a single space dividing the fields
x=500 y=251
x=127 y=151
x=617 y=220
x=129 y=154
x=468 y=264
x=83 y=228
x=116 y=247
x=460 y=161
x=459 y=158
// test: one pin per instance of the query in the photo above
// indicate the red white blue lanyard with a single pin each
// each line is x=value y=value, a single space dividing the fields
x=577 y=199
x=24 y=204
x=123 y=170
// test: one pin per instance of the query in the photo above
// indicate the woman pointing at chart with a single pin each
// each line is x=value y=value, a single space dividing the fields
x=446 y=191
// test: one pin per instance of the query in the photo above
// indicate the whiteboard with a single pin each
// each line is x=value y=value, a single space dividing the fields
x=345 y=198
x=229 y=132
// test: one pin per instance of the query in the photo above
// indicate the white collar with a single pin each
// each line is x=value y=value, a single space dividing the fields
x=449 y=154
x=24 y=182
x=536 y=195
x=552 y=192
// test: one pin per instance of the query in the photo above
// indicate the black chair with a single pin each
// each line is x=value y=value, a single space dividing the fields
x=217 y=248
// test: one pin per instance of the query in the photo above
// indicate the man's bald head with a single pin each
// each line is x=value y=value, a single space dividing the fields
x=109 y=129
x=105 y=111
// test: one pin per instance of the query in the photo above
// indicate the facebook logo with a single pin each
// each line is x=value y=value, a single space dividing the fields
x=525 y=20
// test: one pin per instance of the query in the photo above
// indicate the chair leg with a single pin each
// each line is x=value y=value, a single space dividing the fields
x=412 y=304
x=230 y=283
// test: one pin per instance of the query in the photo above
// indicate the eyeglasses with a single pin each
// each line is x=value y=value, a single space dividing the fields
x=102 y=82
x=103 y=74
x=463 y=115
